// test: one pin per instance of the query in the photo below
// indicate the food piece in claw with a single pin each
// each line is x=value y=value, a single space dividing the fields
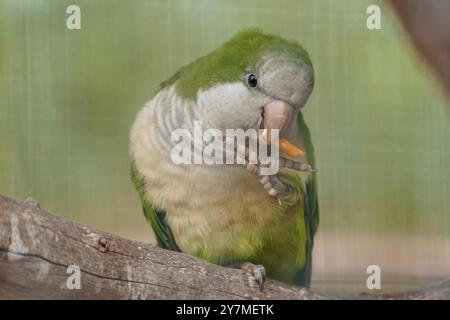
x=290 y=149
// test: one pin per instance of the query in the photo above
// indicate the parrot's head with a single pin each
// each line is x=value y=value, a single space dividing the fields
x=254 y=80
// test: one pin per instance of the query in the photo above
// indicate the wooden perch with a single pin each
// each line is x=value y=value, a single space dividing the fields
x=37 y=247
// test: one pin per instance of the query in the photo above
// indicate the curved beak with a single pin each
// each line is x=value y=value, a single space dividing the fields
x=276 y=115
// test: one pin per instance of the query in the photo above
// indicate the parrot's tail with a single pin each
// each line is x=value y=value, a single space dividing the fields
x=302 y=277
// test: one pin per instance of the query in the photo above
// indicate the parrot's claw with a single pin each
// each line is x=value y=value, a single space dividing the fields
x=259 y=272
x=273 y=185
x=296 y=165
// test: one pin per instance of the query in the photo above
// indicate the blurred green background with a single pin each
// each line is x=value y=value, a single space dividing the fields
x=380 y=123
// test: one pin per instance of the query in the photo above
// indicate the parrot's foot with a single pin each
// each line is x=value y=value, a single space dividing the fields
x=257 y=271
x=272 y=183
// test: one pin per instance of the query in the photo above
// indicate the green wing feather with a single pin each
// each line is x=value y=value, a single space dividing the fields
x=311 y=183
x=163 y=234
x=311 y=206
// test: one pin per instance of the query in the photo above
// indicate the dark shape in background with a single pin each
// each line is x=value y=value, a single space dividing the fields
x=428 y=24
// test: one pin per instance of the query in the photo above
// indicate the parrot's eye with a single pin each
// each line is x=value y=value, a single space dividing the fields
x=252 y=81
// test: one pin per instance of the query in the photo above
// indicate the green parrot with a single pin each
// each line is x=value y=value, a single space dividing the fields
x=223 y=213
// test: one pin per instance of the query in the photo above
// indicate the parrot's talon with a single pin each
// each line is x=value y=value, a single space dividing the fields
x=259 y=272
x=272 y=192
x=278 y=185
x=273 y=185
x=296 y=165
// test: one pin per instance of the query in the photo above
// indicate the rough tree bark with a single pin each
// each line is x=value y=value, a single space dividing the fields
x=36 y=248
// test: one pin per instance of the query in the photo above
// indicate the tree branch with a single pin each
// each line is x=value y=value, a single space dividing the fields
x=36 y=248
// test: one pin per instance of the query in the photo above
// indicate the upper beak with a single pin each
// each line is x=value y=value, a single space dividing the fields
x=276 y=115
